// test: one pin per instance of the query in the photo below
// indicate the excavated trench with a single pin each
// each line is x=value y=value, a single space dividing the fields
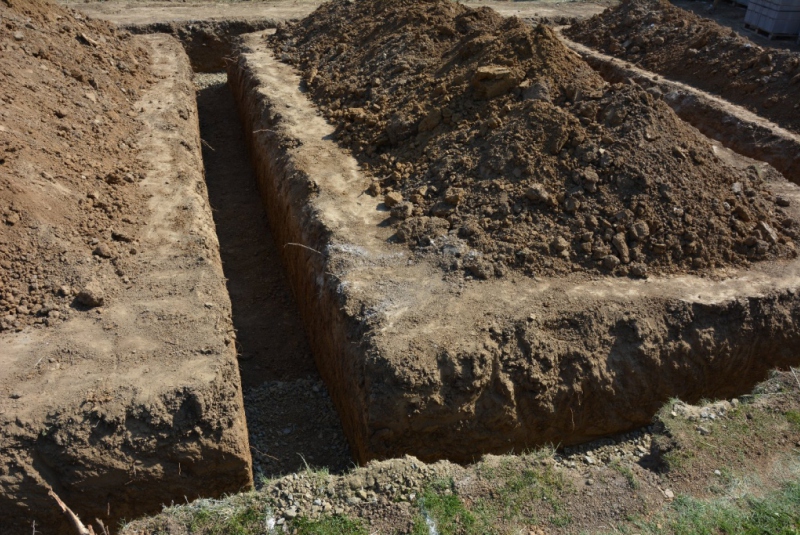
x=291 y=420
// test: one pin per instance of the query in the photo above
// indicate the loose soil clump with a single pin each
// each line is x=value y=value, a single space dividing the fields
x=497 y=148
x=66 y=88
x=698 y=51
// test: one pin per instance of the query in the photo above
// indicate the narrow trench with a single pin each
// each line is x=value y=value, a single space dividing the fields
x=290 y=417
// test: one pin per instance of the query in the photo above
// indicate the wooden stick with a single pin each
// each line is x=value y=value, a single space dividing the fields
x=795 y=376
x=73 y=518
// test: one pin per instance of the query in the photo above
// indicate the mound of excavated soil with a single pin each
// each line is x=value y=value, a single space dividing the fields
x=496 y=147
x=699 y=52
x=66 y=86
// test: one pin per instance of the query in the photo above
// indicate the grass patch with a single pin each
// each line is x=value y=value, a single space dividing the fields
x=445 y=509
x=627 y=473
x=794 y=418
x=777 y=513
x=332 y=525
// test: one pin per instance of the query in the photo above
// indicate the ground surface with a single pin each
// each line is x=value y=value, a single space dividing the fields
x=680 y=45
x=144 y=12
x=289 y=410
x=441 y=366
x=120 y=389
x=730 y=466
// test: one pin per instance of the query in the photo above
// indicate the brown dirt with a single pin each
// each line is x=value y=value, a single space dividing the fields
x=624 y=483
x=445 y=367
x=685 y=47
x=65 y=123
x=120 y=387
x=482 y=128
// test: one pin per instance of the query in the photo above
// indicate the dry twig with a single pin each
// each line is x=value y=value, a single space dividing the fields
x=795 y=376
x=73 y=518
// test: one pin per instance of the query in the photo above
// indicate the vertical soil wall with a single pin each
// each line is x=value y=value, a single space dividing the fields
x=419 y=364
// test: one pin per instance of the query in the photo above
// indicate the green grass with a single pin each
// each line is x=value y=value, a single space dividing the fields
x=332 y=525
x=777 y=513
x=441 y=504
x=627 y=473
x=794 y=418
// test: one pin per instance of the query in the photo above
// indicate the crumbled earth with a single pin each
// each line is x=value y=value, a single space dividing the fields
x=702 y=451
x=496 y=148
x=66 y=86
x=685 y=47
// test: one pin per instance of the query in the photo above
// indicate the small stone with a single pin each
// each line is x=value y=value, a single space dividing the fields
x=783 y=201
x=290 y=513
x=768 y=232
x=703 y=430
x=619 y=243
x=640 y=230
x=392 y=199
x=19 y=36
x=559 y=244
x=717 y=473
x=103 y=251
x=91 y=296
x=12 y=219
x=610 y=261
x=638 y=270
x=402 y=210
x=537 y=193
x=453 y=196
x=669 y=494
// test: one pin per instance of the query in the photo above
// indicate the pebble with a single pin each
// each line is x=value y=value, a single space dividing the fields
x=103 y=251
x=91 y=296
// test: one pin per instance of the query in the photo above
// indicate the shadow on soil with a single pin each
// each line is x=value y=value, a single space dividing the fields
x=290 y=416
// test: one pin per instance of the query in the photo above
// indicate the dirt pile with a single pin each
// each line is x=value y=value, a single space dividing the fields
x=496 y=148
x=680 y=45
x=66 y=87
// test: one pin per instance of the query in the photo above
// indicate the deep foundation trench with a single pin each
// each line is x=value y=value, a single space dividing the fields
x=292 y=419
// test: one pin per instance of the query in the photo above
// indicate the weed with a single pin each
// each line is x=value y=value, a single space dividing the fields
x=332 y=525
x=794 y=418
x=445 y=509
x=776 y=513
x=627 y=473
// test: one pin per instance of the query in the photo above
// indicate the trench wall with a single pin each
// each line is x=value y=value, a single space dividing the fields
x=412 y=364
x=303 y=238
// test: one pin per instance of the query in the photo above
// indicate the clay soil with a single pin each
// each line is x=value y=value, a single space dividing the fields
x=67 y=86
x=688 y=48
x=119 y=387
x=489 y=138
